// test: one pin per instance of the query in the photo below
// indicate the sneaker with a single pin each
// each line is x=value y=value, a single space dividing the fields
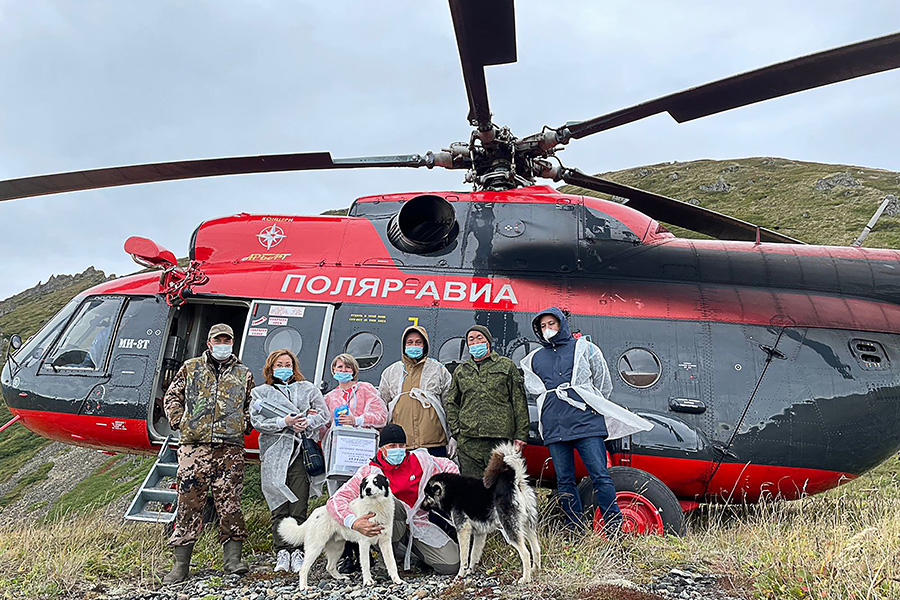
x=283 y=560
x=296 y=560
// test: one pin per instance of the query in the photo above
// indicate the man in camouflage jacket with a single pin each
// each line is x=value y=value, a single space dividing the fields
x=486 y=403
x=208 y=401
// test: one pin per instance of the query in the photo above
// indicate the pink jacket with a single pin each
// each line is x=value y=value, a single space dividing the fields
x=365 y=404
x=417 y=519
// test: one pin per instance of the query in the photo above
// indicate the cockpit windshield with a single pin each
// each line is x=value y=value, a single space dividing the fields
x=36 y=346
x=84 y=345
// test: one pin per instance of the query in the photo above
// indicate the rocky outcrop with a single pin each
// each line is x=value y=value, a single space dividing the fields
x=87 y=278
x=845 y=179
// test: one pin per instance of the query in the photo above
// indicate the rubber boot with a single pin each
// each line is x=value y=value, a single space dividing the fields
x=182 y=565
x=232 y=563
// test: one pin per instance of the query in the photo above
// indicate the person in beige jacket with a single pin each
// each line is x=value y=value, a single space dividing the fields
x=413 y=388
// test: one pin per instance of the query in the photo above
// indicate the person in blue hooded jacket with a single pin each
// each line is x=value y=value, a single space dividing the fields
x=572 y=382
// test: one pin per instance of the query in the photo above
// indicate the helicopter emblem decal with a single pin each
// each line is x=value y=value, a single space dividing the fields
x=271 y=236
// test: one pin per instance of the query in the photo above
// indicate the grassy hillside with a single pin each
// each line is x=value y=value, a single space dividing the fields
x=24 y=314
x=817 y=203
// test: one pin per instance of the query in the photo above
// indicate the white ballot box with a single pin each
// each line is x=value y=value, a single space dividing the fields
x=350 y=448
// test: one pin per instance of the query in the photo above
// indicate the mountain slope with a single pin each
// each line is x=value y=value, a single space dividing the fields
x=814 y=202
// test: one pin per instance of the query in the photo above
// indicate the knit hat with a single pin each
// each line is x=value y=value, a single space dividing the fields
x=392 y=434
x=484 y=331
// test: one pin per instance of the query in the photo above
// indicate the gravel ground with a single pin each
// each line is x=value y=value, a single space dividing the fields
x=263 y=584
x=71 y=465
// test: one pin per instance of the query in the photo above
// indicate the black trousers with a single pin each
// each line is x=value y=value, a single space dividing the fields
x=298 y=482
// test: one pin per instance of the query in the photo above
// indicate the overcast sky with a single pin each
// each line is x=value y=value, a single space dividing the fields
x=86 y=84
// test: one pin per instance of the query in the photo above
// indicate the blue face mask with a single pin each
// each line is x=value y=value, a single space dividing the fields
x=395 y=456
x=343 y=376
x=283 y=373
x=414 y=351
x=478 y=350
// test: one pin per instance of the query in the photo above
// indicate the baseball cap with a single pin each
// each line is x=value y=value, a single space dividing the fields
x=220 y=329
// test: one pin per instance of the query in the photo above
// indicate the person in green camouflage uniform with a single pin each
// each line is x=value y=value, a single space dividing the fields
x=208 y=401
x=486 y=403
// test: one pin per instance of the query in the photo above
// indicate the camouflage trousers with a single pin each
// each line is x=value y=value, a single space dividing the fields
x=203 y=468
x=475 y=453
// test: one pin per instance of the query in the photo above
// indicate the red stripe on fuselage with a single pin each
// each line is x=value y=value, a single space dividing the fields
x=96 y=431
x=687 y=478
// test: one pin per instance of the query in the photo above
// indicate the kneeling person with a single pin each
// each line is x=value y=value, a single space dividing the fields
x=407 y=473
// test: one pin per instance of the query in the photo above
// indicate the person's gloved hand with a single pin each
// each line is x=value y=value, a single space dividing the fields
x=451 y=448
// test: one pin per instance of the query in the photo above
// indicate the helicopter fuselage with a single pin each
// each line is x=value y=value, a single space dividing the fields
x=766 y=369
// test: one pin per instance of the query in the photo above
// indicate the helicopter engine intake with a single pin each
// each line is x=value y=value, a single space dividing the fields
x=426 y=223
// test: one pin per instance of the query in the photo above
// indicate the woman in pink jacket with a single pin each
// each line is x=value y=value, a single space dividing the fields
x=364 y=403
x=362 y=407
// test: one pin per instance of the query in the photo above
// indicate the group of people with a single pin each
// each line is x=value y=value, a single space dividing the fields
x=428 y=422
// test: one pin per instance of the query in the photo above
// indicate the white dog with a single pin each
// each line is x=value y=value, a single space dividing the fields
x=322 y=532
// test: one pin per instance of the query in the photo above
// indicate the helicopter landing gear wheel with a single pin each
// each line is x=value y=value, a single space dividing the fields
x=648 y=506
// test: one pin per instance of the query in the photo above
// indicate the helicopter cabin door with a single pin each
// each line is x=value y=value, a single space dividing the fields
x=302 y=328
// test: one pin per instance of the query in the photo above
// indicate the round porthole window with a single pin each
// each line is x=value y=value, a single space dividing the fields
x=522 y=350
x=284 y=337
x=453 y=350
x=366 y=348
x=639 y=367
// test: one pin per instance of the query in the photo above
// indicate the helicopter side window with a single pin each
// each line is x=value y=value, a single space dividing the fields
x=522 y=350
x=84 y=345
x=639 y=367
x=600 y=227
x=366 y=348
x=453 y=352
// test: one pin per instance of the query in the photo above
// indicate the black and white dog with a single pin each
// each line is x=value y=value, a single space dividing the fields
x=501 y=500
x=322 y=532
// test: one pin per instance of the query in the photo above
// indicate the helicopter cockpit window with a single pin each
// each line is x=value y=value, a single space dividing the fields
x=84 y=344
x=639 y=367
x=453 y=351
x=600 y=227
x=36 y=346
x=366 y=348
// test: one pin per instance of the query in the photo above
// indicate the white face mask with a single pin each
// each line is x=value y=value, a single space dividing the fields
x=549 y=334
x=221 y=351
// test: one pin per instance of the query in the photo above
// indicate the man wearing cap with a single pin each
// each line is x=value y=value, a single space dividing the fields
x=486 y=403
x=407 y=473
x=208 y=402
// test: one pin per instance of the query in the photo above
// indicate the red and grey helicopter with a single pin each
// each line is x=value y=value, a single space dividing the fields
x=766 y=365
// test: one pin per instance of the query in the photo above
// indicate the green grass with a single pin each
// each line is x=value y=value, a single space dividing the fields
x=118 y=476
x=38 y=475
x=17 y=446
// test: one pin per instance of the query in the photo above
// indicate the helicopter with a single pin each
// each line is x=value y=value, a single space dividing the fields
x=764 y=364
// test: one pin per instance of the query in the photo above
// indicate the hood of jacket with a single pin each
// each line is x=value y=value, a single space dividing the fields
x=564 y=334
x=424 y=334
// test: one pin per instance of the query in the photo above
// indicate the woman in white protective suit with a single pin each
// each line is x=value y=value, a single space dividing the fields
x=285 y=483
x=571 y=380
x=413 y=388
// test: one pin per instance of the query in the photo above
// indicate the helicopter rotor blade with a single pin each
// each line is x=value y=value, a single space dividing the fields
x=804 y=73
x=676 y=212
x=485 y=35
x=188 y=169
